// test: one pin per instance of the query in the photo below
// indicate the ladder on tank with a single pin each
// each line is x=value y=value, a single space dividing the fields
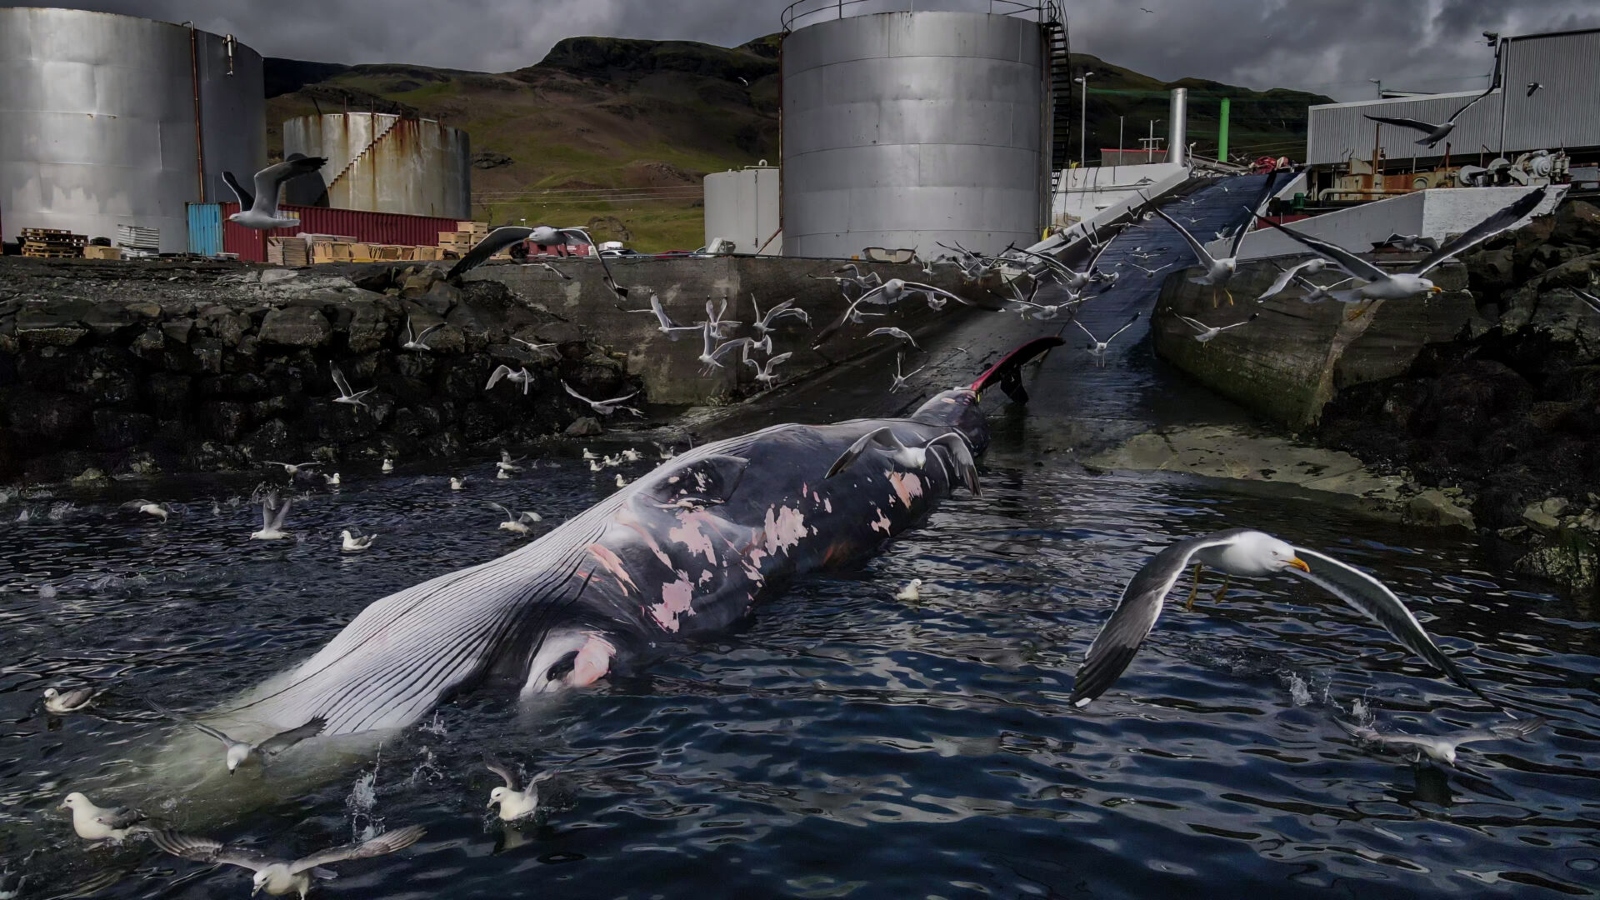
x=1055 y=32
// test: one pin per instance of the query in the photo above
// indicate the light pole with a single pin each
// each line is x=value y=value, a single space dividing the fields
x=1379 y=83
x=1083 y=120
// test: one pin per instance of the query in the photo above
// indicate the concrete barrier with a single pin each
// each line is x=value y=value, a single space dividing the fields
x=671 y=370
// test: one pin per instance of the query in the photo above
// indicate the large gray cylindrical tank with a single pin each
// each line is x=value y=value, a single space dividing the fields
x=383 y=163
x=109 y=120
x=902 y=129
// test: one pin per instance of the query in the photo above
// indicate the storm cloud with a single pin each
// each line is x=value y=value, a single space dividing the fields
x=1331 y=47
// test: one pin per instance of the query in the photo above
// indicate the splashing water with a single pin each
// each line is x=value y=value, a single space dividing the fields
x=434 y=727
x=363 y=800
x=1299 y=692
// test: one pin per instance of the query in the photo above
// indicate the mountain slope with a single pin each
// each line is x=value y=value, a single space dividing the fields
x=617 y=134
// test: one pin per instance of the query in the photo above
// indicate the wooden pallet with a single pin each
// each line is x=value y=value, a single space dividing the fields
x=36 y=250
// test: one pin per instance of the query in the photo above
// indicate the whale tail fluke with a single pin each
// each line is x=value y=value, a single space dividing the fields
x=1007 y=373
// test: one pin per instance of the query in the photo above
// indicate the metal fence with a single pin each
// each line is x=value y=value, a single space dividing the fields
x=808 y=12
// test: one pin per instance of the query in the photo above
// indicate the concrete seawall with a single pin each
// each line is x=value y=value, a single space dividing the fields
x=1290 y=362
x=670 y=370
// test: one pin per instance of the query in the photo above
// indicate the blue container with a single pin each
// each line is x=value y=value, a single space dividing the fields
x=205 y=229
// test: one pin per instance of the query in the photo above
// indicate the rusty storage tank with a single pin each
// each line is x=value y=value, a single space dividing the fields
x=109 y=120
x=380 y=162
x=906 y=128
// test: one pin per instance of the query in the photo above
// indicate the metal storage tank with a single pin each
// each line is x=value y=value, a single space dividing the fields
x=901 y=129
x=742 y=206
x=110 y=120
x=378 y=162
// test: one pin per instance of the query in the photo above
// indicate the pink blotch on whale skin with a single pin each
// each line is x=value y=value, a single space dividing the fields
x=676 y=600
x=784 y=528
x=693 y=537
x=906 y=486
x=882 y=523
x=613 y=564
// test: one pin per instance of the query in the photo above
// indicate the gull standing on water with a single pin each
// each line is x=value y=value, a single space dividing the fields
x=912 y=591
x=61 y=703
x=347 y=396
x=605 y=407
x=283 y=876
x=457 y=484
x=514 y=802
x=94 y=823
x=355 y=541
x=261 y=211
x=1441 y=747
x=516 y=524
x=1381 y=285
x=272 y=517
x=155 y=510
x=1250 y=553
x=239 y=751
x=388 y=466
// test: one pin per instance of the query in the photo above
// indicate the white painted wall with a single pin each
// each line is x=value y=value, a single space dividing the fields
x=742 y=205
x=1437 y=213
x=1102 y=195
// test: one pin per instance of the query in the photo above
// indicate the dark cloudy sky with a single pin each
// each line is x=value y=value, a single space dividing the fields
x=1328 y=46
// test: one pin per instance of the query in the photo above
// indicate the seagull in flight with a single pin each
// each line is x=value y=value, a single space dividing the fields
x=896 y=333
x=715 y=320
x=1208 y=333
x=239 y=751
x=521 y=376
x=292 y=468
x=1218 y=270
x=666 y=326
x=1096 y=347
x=515 y=802
x=1249 y=553
x=1441 y=747
x=541 y=349
x=148 y=508
x=1309 y=267
x=883 y=440
x=605 y=407
x=784 y=310
x=1432 y=134
x=347 y=396
x=419 y=342
x=899 y=376
x=764 y=374
x=276 y=876
x=261 y=210
x=272 y=517
x=713 y=351
x=506 y=235
x=1381 y=285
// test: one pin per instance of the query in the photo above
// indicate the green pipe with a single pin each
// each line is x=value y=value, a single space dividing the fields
x=1222 y=131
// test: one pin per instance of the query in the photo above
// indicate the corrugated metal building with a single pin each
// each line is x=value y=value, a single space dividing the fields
x=210 y=230
x=1563 y=113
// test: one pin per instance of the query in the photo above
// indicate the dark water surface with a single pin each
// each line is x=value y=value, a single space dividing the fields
x=843 y=743
x=846 y=743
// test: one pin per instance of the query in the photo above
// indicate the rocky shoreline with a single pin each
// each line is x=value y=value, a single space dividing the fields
x=1504 y=420
x=117 y=369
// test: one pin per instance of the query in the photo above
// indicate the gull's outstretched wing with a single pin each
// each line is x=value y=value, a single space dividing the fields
x=882 y=437
x=1199 y=249
x=1197 y=326
x=279 y=515
x=509 y=516
x=283 y=740
x=246 y=199
x=1261 y=200
x=493 y=243
x=1470 y=103
x=1136 y=613
x=1488 y=228
x=956 y=445
x=387 y=842
x=576 y=394
x=1283 y=279
x=504 y=771
x=190 y=721
x=268 y=180
x=206 y=850
x=1372 y=598
x=500 y=372
x=1335 y=254
x=1426 y=127
x=339 y=382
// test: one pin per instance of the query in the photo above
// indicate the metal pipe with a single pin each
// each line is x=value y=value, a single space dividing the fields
x=199 y=134
x=1222 y=130
x=1178 y=126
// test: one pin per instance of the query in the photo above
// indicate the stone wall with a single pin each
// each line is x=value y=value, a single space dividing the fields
x=134 y=367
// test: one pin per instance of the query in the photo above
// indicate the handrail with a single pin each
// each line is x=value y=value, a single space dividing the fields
x=795 y=14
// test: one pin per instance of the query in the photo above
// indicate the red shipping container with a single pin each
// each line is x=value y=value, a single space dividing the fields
x=365 y=227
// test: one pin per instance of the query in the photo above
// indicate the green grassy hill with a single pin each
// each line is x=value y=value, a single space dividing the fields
x=617 y=134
